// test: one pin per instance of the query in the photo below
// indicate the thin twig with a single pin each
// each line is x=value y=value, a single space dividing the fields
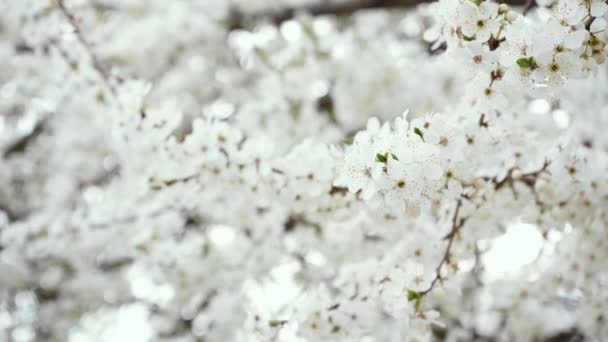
x=21 y=144
x=242 y=19
x=104 y=74
x=457 y=223
x=528 y=6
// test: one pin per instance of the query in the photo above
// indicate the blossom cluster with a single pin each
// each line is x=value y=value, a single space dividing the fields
x=185 y=171
x=507 y=54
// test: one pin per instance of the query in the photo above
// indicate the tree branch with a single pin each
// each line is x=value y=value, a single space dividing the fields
x=242 y=19
x=528 y=6
x=457 y=223
x=20 y=144
x=104 y=74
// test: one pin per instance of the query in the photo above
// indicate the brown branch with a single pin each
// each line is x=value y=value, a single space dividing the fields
x=104 y=74
x=529 y=179
x=21 y=144
x=457 y=223
x=588 y=23
x=295 y=220
x=240 y=19
x=528 y=6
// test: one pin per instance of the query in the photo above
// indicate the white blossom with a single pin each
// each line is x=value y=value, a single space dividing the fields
x=294 y=171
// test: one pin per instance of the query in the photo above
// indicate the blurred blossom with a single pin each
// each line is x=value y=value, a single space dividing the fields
x=179 y=171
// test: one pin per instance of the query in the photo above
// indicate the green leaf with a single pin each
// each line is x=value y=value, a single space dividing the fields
x=416 y=297
x=467 y=38
x=205 y=248
x=275 y=323
x=309 y=31
x=295 y=109
x=171 y=182
x=527 y=63
x=381 y=158
x=141 y=248
x=262 y=55
x=413 y=295
x=325 y=105
x=347 y=141
x=419 y=133
x=155 y=187
x=335 y=329
x=331 y=113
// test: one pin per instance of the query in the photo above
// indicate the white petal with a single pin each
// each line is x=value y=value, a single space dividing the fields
x=483 y=35
x=368 y=191
x=575 y=39
x=488 y=9
x=373 y=124
x=599 y=24
x=469 y=29
x=433 y=171
x=509 y=55
x=569 y=64
x=598 y=8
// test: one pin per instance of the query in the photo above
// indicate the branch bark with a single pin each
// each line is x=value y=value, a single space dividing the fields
x=20 y=144
x=104 y=74
x=242 y=19
x=457 y=223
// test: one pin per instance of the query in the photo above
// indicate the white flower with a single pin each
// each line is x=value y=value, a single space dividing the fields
x=475 y=57
x=254 y=158
x=598 y=8
x=487 y=92
x=479 y=21
x=308 y=168
x=576 y=38
x=359 y=172
x=598 y=25
x=570 y=11
x=563 y=66
x=518 y=39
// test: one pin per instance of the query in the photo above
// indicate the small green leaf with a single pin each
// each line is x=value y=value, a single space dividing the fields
x=419 y=133
x=335 y=329
x=325 y=105
x=331 y=113
x=295 y=109
x=276 y=323
x=467 y=38
x=171 y=182
x=205 y=248
x=348 y=141
x=262 y=55
x=141 y=248
x=309 y=31
x=477 y=2
x=413 y=295
x=416 y=297
x=381 y=158
x=527 y=63
x=155 y=187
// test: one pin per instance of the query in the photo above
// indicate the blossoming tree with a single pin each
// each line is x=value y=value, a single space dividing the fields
x=303 y=171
